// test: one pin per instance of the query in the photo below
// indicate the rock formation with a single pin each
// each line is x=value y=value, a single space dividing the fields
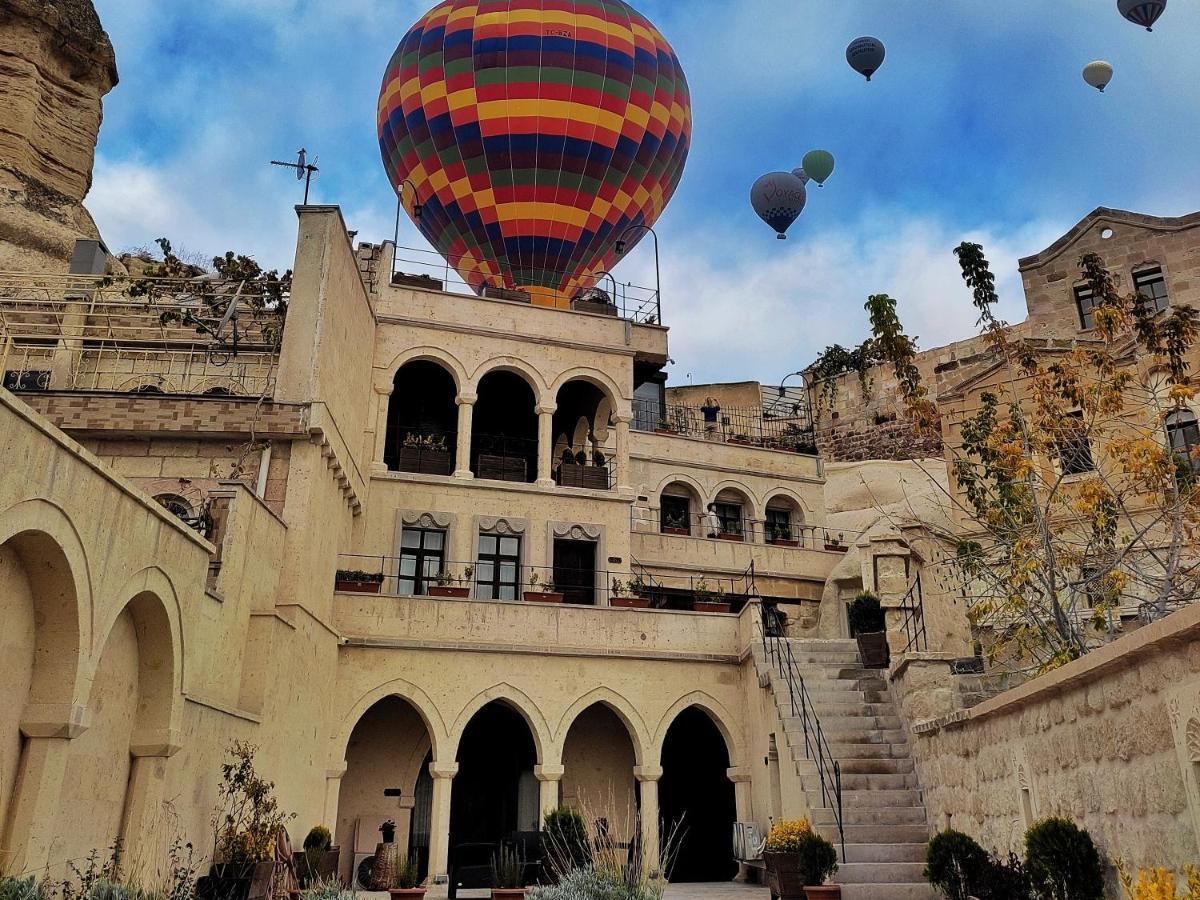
x=56 y=65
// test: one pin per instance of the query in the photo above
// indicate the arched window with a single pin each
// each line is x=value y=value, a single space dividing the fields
x=783 y=522
x=1183 y=436
x=504 y=434
x=422 y=420
x=678 y=509
x=728 y=516
x=583 y=437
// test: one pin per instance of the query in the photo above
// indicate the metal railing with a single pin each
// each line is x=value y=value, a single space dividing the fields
x=913 y=606
x=753 y=426
x=778 y=651
x=753 y=531
x=429 y=270
x=583 y=586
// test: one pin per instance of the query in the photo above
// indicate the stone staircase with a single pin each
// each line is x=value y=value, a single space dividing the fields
x=883 y=811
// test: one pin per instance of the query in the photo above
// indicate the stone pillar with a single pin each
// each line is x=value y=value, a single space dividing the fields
x=33 y=808
x=333 y=794
x=648 y=778
x=384 y=400
x=546 y=446
x=439 y=825
x=466 y=416
x=140 y=822
x=740 y=776
x=550 y=780
x=624 y=473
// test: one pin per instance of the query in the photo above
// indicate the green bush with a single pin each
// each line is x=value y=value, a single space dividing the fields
x=954 y=863
x=818 y=859
x=22 y=889
x=565 y=838
x=318 y=839
x=588 y=884
x=866 y=614
x=1062 y=862
x=1002 y=880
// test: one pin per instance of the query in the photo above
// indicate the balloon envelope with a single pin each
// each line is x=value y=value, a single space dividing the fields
x=1142 y=12
x=1098 y=74
x=866 y=55
x=819 y=165
x=779 y=198
x=802 y=175
x=536 y=134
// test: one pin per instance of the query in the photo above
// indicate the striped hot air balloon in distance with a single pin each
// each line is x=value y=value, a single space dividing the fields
x=536 y=133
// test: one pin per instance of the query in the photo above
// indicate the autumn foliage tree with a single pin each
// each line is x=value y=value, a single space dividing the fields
x=1074 y=503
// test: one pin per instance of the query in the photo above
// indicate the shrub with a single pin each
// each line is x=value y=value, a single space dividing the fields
x=786 y=836
x=248 y=818
x=818 y=859
x=22 y=889
x=327 y=890
x=406 y=873
x=1003 y=880
x=866 y=614
x=588 y=884
x=508 y=869
x=318 y=839
x=1159 y=884
x=1062 y=862
x=566 y=840
x=953 y=863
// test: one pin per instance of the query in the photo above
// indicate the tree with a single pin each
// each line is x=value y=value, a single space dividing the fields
x=1071 y=500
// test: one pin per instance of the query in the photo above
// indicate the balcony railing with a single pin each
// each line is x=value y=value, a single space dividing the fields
x=637 y=588
x=792 y=535
x=790 y=431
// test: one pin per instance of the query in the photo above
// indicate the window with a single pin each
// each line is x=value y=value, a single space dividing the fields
x=1150 y=283
x=730 y=515
x=1183 y=436
x=422 y=559
x=676 y=513
x=498 y=569
x=27 y=381
x=779 y=525
x=1085 y=302
x=1074 y=449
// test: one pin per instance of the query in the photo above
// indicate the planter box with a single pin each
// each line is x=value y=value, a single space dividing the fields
x=458 y=593
x=678 y=532
x=836 y=548
x=783 y=875
x=873 y=648
x=403 y=279
x=595 y=307
x=237 y=881
x=630 y=602
x=780 y=542
x=495 y=293
x=501 y=468
x=358 y=587
x=539 y=597
x=426 y=462
x=824 y=892
x=508 y=893
x=320 y=867
x=707 y=607
x=664 y=431
x=402 y=893
x=577 y=476
x=736 y=538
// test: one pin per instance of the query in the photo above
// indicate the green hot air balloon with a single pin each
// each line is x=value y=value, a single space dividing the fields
x=818 y=165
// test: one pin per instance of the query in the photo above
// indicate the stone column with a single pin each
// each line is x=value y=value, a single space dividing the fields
x=144 y=798
x=466 y=416
x=740 y=776
x=550 y=780
x=33 y=807
x=546 y=446
x=624 y=473
x=439 y=825
x=384 y=400
x=333 y=794
x=648 y=778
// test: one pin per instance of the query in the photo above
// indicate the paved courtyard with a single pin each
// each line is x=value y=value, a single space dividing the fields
x=727 y=891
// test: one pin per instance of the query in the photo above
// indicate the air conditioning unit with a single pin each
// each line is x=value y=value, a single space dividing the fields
x=360 y=876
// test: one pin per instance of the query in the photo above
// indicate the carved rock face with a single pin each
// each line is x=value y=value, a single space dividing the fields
x=56 y=65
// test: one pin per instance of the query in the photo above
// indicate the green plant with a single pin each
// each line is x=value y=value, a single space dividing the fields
x=356 y=577
x=588 y=884
x=618 y=588
x=22 y=888
x=866 y=614
x=318 y=838
x=566 y=840
x=329 y=889
x=317 y=843
x=818 y=859
x=406 y=873
x=1062 y=862
x=785 y=836
x=953 y=863
x=1002 y=880
x=247 y=819
x=508 y=869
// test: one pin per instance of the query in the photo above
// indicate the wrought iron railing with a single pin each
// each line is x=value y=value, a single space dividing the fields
x=753 y=426
x=779 y=655
x=913 y=606
x=792 y=534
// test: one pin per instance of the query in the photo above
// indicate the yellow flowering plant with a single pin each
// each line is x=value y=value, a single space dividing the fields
x=786 y=835
x=1159 y=884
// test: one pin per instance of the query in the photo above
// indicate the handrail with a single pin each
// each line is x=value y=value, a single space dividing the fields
x=915 y=630
x=778 y=651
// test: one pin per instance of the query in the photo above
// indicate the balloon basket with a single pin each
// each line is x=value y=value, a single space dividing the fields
x=781 y=237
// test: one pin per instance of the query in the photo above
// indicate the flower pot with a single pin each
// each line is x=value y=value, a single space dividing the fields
x=873 y=649
x=779 y=542
x=706 y=606
x=679 y=532
x=824 y=892
x=836 y=548
x=357 y=587
x=401 y=893
x=508 y=893
x=460 y=593
x=317 y=865
x=663 y=431
x=738 y=538
x=540 y=597
x=630 y=602
x=783 y=875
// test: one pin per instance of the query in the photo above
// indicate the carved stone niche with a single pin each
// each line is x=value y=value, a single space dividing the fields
x=503 y=525
x=576 y=532
x=430 y=521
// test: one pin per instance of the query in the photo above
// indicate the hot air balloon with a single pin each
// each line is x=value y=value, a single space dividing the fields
x=779 y=198
x=866 y=55
x=819 y=166
x=535 y=135
x=1098 y=74
x=1142 y=12
x=802 y=175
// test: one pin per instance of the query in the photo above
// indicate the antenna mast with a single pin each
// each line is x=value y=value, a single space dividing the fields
x=303 y=168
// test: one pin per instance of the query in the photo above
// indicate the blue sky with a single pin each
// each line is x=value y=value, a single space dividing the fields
x=978 y=127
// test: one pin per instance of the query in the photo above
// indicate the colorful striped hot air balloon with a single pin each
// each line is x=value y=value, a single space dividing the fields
x=536 y=134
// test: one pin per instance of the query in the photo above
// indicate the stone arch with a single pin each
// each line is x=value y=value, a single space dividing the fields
x=437 y=355
x=791 y=498
x=533 y=378
x=519 y=702
x=406 y=691
x=753 y=509
x=714 y=709
x=597 y=378
x=638 y=734
x=698 y=490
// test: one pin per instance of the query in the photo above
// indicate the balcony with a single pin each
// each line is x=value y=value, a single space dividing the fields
x=788 y=430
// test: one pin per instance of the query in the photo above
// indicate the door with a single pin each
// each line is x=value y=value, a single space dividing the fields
x=575 y=571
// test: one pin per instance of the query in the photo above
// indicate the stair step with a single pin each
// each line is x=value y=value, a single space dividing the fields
x=821 y=695
x=888 y=892
x=859 y=707
x=881 y=873
x=880 y=815
x=881 y=834
x=848 y=723
x=869 y=799
x=872 y=781
x=865 y=750
x=863 y=736
x=886 y=766
x=885 y=853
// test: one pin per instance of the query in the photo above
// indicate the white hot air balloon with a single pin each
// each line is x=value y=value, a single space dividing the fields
x=1142 y=12
x=1098 y=74
x=802 y=175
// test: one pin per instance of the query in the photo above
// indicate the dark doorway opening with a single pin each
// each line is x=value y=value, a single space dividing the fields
x=495 y=799
x=575 y=571
x=504 y=431
x=422 y=818
x=696 y=798
x=422 y=425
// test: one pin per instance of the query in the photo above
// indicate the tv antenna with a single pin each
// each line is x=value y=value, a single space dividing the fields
x=303 y=168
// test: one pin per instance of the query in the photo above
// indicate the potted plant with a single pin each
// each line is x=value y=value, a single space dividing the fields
x=708 y=601
x=781 y=535
x=450 y=585
x=782 y=858
x=835 y=544
x=868 y=625
x=508 y=875
x=817 y=861
x=354 y=582
x=318 y=861
x=633 y=601
x=425 y=455
x=388 y=831
x=664 y=427
x=406 y=880
x=547 y=594
x=676 y=523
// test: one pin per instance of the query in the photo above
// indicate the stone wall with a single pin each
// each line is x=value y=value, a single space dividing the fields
x=1111 y=741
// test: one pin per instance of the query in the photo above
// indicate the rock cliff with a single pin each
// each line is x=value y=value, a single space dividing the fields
x=56 y=66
